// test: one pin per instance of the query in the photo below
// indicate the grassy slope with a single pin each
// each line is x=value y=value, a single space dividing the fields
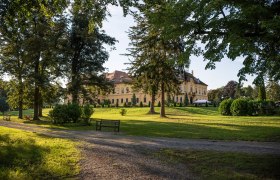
x=225 y=165
x=25 y=155
x=190 y=122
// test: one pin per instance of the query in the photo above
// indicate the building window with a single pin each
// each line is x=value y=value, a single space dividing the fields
x=121 y=100
x=181 y=100
x=113 y=101
x=98 y=101
x=137 y=100
x=145 y=99
x=126 y=100
x=117 y=100
x=177 y=99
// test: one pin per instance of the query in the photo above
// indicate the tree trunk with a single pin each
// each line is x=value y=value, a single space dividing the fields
x=36 y=91
x=74 y=90
x=40 y=105
x=20 y=98
x=162 y=107
x=152 y=105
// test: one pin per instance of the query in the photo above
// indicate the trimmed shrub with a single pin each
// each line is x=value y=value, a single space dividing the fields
x=123 y=112
x=141 y=104
x=251 y=109
x=74 y=112
x=239 y=107
x=65 y=113
x=224 y=107
x=266 y=107
x=87 y=111
x=159 y=104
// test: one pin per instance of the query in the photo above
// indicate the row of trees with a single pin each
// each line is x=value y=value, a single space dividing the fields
x=233 y=90
x=44 y=41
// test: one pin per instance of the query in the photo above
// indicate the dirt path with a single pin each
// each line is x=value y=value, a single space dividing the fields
x=115 y=156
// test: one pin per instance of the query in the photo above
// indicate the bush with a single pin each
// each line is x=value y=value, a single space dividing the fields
x=251 y=109
x=87 y=111
x=224 y=107
x=265 y=107
x=65 y=113
x=59 y=114
x=141 y=104
x=123 y=112
x=159 y=104
x=124 y=104
x=239 y=107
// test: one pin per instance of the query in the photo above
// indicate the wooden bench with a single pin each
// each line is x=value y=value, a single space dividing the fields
x=7 y=117
x=108 y=123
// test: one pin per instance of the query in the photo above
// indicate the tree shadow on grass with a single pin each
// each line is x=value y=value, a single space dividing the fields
x=191 y=130
x=23 y=159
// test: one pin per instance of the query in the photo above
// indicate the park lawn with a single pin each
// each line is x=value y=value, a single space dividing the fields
x=194 y=123
x=182 y=122
x=224 y=165
x=26 y=155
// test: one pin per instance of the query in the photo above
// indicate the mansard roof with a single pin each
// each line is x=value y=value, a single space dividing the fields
x=189 y=76
x=118 y=77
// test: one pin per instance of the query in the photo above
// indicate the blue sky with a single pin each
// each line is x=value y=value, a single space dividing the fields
x=117 y=26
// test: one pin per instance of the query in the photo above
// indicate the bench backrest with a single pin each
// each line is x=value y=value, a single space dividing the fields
x=110 y=122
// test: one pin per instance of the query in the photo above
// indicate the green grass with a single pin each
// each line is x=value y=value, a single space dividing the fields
x=195 y=123
x=224 y=165
x=188 y=123
x=26 y=155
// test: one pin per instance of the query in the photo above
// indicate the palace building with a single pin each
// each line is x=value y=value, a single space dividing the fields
x=122 y=93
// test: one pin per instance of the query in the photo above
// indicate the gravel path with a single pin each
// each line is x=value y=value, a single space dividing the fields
x=109 y=155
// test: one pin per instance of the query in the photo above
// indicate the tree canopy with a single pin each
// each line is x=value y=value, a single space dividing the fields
x=216 y=29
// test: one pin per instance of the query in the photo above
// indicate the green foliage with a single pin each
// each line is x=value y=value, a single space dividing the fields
x=123 y=112
x=224 y=107
x=206 y=104
x=273 y=91
x=133 y=100
x=226 y=28
x=149 y=104
x=87 y=111
x=186 y=102
x=65 y=113
x=3 y=105
x=159 y=104
x=239 y=107
x=124 y=104
x=181 y=104
x=262 y=93
x=141 y=104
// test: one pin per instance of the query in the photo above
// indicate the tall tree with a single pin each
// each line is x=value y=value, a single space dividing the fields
x=230 y=89
x=156 y=62
x=85 y=49
x=273 y=91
